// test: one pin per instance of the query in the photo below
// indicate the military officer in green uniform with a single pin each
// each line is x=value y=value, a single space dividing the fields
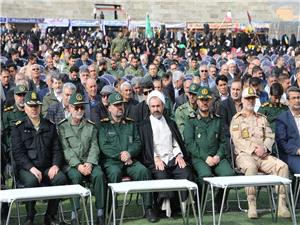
x=81 y=151
x=273 y=108
x=134 y=68
x=119 y=44
x=120 y=144
x=188 y=109
x=12 y=114
x=115 y=70
x=206 y=142
x=193 y=70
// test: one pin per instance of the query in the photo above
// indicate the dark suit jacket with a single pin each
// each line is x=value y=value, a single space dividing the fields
x=227 y=111
x=146 y=135
x=287 y=134
x=180 y=100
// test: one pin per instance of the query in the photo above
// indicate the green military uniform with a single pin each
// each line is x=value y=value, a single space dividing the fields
x=204 y=137
x=137 y=72
x=194 y=72
x=115 y=138
x=120 y=45
x=117 y=73
x=11 y=115
x=80 y=146
x=48 y=100
x=186 y=110
x=271 y=111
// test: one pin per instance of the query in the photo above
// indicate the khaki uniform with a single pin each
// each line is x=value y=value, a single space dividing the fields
x=246 y=133
x=137 y=72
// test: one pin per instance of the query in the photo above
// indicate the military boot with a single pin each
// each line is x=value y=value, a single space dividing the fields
x=282 y=209
x=252 y=213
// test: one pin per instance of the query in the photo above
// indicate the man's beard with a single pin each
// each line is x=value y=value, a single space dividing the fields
x=157 y=114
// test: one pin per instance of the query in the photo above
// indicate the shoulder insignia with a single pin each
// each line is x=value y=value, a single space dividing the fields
x=235 y=127
x=104 y=120
x=18 y=122
x=260 y=114
x=9 y=108
x=129 y=119
x=63 y=120
x=192 y=115
x=265 y=104
x=91 y=122
x=237 y=115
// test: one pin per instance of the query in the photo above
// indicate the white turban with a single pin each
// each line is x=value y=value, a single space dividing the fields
x=158 y=94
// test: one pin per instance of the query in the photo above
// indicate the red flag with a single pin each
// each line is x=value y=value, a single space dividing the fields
x=249 y=17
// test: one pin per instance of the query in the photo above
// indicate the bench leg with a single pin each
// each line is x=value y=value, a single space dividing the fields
x=123 y=208
x=270 y=195
x=9 y=212
x=291 y=202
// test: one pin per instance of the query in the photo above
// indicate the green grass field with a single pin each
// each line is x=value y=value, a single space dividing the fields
x=231 y=217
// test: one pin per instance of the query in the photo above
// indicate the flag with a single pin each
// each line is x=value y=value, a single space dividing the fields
x=148 y=31
x=228 y=17
x=249 y=17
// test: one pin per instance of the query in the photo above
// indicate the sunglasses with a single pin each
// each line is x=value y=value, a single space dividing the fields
x=77 y=107
x=21 y=94
x=146 y=92
x=204 y=70
x=104 y=96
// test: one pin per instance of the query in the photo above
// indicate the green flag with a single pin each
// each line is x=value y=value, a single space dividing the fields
x=148 y=31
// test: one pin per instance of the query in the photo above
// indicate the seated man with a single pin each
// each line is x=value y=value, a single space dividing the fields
x=120 y=144
x=288 y=131
x=163 y=148
x=206 y=142
x=38 y=155
x=273 y=108
x=253 y=140
x=81 y=150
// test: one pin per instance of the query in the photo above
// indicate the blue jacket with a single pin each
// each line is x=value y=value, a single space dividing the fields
x=287 y=134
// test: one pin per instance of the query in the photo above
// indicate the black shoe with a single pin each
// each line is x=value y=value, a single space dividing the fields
x=50 y=220
x=28 y=222
x=100 y=220
x=151 y=216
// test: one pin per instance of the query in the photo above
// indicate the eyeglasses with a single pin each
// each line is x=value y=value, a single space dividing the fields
x=21 y=94
x=77 y=107
x=104 y=96
x=204 y=71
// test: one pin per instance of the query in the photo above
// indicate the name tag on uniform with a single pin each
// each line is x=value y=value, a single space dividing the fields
x=199 y=135
x=245 y=133
x=235 y=127
x=111 y=133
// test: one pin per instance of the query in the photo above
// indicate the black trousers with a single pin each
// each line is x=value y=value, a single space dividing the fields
x=172 y=171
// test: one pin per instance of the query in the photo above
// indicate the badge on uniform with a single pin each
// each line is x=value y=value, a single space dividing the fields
x=245 y=133
x=235 y=127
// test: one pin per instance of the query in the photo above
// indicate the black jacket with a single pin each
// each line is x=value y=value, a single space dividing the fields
x=146 y=135
x=40 y=148
x=227 y=111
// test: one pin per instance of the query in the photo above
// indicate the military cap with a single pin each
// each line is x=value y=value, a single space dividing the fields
x=194 y=88
x=20 y=89
x=77 y=99
x=204 y=93
x=249 y=92
x=31 y=98
x=115 y=98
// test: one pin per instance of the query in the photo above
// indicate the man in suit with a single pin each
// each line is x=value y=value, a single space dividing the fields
x=230 y=107
x=163 y=148
x=288 y=131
